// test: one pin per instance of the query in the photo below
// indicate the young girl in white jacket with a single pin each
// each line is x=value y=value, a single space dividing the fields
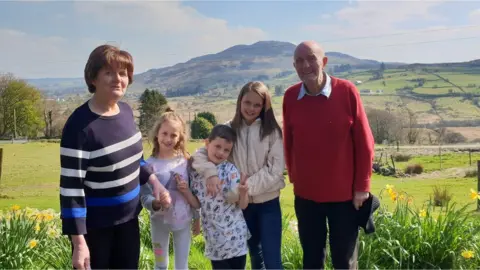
x=258 y=152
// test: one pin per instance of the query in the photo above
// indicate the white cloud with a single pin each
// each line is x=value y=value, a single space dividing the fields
x=388 y=31
x=28 y=55
x=474 y=16
x=156 y=33
x=186 y=32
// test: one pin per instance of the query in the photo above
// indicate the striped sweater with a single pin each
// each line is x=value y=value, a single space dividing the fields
x=101 y=172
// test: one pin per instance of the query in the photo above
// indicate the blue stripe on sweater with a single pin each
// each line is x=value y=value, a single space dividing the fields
x=78 y=212
x=114 y=200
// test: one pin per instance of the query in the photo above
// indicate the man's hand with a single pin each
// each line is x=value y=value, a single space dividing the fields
x=81 y=254
x=196 y=227
x=358 y=198
x=243 y=186
x=213 y=185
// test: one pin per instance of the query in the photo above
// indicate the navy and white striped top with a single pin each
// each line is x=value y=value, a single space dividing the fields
x=101 y=172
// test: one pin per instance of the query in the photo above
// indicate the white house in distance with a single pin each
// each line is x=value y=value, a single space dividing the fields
x=371 y=92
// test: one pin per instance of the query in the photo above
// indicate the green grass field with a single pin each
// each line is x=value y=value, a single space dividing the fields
x=30 y=177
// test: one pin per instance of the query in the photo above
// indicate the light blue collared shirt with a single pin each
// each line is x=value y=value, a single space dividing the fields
x=326 y=91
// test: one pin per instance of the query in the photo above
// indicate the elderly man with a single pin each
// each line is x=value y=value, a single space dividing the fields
x=329 y=153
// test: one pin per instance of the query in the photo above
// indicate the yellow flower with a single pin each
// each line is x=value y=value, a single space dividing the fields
x=474 y=195
x=468 y=254
x=402 y=197
x=37 y=227
x=47 y=217
x=389 y=188
x=393 y=196
x=33 y=243
x=15 y=207
x=52 y=233
x=422 y=213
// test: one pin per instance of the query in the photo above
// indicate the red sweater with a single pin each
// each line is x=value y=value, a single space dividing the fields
x=328 y=143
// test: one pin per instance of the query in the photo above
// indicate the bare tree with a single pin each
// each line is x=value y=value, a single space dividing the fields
x=411 y=130
x=385 y=125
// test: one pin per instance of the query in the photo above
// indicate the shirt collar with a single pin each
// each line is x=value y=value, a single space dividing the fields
x=326 y=91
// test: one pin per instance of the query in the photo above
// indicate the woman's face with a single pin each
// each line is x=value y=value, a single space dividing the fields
x=251 y=106
x=111 y=82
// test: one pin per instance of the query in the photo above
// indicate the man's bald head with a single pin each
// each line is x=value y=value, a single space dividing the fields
x=310 y=46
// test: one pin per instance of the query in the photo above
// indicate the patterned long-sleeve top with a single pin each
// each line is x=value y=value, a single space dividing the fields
x=101 y=172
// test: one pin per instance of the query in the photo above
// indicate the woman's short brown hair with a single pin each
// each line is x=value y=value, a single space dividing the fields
x=107 y=56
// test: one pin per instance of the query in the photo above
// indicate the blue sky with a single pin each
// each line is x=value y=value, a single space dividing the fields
x=53 y=38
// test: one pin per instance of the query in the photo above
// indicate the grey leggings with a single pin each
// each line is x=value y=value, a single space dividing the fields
x=160 y=242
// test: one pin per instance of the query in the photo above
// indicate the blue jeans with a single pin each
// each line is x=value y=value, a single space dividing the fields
x=264 y=220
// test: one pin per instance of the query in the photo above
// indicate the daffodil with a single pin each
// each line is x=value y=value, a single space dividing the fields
x=37 y=227
x=52 y=233
x=422 y=213
x=33 y=243
x=468 y=254
x=15 y=207
x=474 y=194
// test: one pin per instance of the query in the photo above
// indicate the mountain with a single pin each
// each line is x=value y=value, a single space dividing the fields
x=269 y=61
x=263 y=60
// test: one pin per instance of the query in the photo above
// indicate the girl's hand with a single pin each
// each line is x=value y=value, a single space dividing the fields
x=243 y=186
x=196 y=227
x=182 y=185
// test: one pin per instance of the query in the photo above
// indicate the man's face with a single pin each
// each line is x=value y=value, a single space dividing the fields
x=309 y=64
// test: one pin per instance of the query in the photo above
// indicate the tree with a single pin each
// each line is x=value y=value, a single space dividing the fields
x=279 y=90
x=200 y=128
x=152 y=104
x=382 y=66
x=384 y=125
x=20 y=108
x=412 y=132
x=209 y=116
x=52 y=118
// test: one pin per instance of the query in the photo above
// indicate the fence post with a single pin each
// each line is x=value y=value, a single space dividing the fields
x=478 y=184
x=470 y=156
x=1 y=163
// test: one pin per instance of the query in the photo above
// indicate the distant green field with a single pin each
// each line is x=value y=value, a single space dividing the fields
x=30 y=177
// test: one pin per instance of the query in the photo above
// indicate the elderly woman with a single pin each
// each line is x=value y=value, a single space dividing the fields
x=101 y=154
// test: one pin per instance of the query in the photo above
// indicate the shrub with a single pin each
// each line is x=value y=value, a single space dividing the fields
x=441 y=197
x=209 y=116
x=471 y=172
x=414 y=169
x=200 y=128
x=401 y=157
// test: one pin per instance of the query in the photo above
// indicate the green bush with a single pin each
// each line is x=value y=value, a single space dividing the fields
x=414 y=169
x=200 y=128
x=209 y=116
x=401 y=157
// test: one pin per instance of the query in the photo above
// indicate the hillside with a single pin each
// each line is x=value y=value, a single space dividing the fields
x=225 y=70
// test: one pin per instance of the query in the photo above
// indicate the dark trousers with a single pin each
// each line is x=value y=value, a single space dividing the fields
x=232 y=263
x=343 y=233
x=264 y=221
x=116 y=247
